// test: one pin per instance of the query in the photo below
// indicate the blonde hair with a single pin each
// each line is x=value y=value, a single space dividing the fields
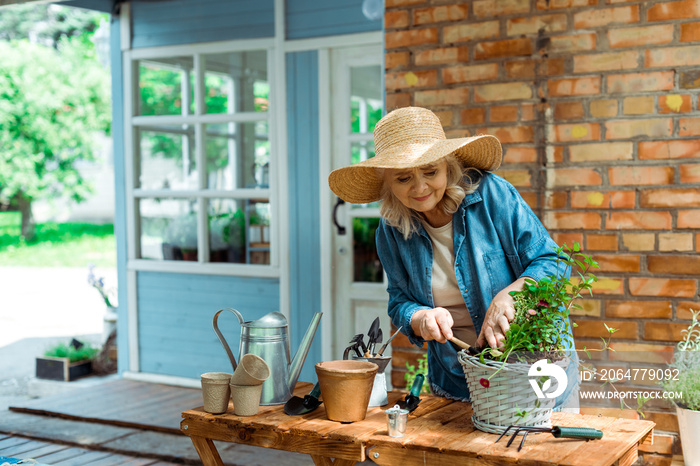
x=406 y=220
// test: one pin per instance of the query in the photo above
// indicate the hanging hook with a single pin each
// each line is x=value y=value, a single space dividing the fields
x=341 y=229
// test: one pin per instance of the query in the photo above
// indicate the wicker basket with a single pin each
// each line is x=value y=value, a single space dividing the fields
x=509 y=391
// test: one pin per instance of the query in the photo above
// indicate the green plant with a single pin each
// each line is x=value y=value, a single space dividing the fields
x=412 y=372
x=74 y=351
x=686 y=365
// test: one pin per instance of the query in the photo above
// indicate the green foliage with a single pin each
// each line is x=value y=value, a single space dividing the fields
x=49 y=114
x=542 y=307
x=56 y=244
x=412 y=372
x=63 y=350
x=687 y=361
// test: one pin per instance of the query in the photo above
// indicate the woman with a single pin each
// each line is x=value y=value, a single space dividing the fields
x=454 y=239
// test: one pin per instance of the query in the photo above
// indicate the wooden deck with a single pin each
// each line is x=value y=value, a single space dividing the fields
x=66 y=455
x=120 y=402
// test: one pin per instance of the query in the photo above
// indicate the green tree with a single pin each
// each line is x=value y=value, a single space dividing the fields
x=52 y=104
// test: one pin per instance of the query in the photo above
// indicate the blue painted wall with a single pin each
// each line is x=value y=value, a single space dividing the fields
x=311 y=18
x=304 y=223
x=186 y=21
x=175 y=319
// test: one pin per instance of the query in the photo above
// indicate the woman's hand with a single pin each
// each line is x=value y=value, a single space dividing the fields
x=500 y=313
x=433 y=324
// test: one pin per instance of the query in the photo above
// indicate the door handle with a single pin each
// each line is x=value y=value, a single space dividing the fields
x=341 y=229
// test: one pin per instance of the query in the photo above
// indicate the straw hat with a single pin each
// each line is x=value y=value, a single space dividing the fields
x=407 y=138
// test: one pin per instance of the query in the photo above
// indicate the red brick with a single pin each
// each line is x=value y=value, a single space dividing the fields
x=469 y=73
x=573 y=220
x=510 y=134
x=602 y=200
x=683 y=9
x=568 y=111
x=473 y=116
x=396 y=60
x=531 y=199
x=601 y=242
x=496 y=8
x=519 y=178
x=531 y=25
x=627 y=129
x=640 y=36
x=668 y=149
x=605 y=151
x=520 y=69
x=618 y=262
x=572 y=43
x=671 y=287
x=394 y=19
x=604 y=17
x=689 y=126
x=439 y=14
x=447 y=55
x=573 y=177
x=527 y=112
x=683 y=311
x=520 y=154
x=641 y=352
x=567 y=238
x=674 y=264
x=504 y=113
x=675 y=242
x=439 y=97
x=638 y=105
x=556 y=199
x=612 y=61
x=577 y=132
x=663 y=331
x=672 y=56
x=640 y=175
x=608 y=286
x=690 y=32
x=574 y=86
x=639 y=241
x=675 y=103
x=671 y=197
x=470 y=31
x=603 y=108
x=398 y=100
x=640 y=82
x=408 y=79
x=557 y=155
x=639 y=309
x=690 y=173
x=410 y=37
x=502 y=91
x=626 y=330
x=402 y=3
x=638 y=220
x=503 y=48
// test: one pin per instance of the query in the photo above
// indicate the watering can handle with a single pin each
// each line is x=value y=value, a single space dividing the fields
x=221 y=337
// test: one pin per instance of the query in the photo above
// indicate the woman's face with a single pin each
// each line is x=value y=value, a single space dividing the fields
x=421 y=188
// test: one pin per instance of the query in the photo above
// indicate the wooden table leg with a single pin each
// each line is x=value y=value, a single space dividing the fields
x=207 y=451
x=325 y=461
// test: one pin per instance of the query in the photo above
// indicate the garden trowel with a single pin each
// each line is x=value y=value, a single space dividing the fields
x=296 y=406
x=411 y=401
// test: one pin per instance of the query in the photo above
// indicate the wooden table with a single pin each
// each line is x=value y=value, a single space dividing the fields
x=439 y=432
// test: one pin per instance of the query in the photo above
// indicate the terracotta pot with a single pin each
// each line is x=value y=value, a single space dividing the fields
x=346 y=387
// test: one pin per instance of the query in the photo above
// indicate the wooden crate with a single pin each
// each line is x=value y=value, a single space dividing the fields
x=52 y=368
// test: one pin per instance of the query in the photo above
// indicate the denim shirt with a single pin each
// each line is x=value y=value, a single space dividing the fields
x=497 y=239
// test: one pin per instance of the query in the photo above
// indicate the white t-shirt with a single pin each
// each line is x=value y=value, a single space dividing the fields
x=444 y=283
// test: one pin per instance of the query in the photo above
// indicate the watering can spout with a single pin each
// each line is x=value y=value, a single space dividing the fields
x=302 y=352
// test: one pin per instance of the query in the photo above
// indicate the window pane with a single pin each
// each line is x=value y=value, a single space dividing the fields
x=238 y=155
x=258 y=231
x=367 y=267
x=165 y=86
x=167 y=157
x=168 y=229
x=236 y=82
x=365 y=98
x=239 y=231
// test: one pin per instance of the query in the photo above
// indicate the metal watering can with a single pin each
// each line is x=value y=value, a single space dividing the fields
x=268 y=337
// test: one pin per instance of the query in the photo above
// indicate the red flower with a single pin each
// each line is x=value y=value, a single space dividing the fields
x=543 y=304
x=484 y=382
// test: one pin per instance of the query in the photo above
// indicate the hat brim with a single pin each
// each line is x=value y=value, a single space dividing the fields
x=359 y=183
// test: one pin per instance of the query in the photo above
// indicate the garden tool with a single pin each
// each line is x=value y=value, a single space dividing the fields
x=472 y=350
x=372 y=335
x=297 y=405
x=558 y=432
x=354 y=345
x=411 y=401
x=381 y=350
x=379 y=339
x=359 y=338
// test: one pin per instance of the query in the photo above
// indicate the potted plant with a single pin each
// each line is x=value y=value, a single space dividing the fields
x=66 y=362
x=535 y=339
x=684 y=389
x=180 y=238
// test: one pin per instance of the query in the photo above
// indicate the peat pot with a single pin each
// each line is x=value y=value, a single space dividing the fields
x=346 y=387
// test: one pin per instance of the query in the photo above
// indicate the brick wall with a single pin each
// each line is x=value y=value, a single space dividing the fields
x=596 y=105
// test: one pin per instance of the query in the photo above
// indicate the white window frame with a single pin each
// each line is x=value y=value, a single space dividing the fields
x=133 y=194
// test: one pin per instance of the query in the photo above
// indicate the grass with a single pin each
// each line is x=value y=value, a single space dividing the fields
x=56 y=244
